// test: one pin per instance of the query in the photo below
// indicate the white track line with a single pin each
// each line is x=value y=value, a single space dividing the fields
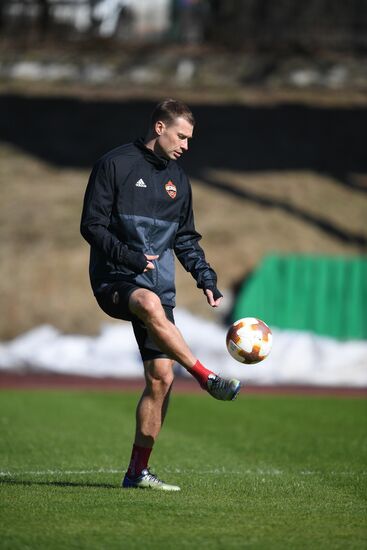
x=219 y=471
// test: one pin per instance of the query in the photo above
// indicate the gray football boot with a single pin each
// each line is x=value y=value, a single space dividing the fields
x=220 y=388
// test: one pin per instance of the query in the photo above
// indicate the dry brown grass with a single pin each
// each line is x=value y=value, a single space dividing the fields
x=43 y=273
x=238 y=233
x=44 y=261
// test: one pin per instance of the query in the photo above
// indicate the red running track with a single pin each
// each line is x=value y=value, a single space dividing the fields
x=41 y=381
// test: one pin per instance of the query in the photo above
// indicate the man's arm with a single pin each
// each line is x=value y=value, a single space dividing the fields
x=192 y=257
x=96 y=219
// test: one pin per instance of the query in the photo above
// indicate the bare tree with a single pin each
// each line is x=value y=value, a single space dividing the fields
x=44 y=18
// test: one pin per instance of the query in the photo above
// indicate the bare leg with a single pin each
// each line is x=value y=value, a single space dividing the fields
x=147 y=306
x=153 y=404
x=150 y=414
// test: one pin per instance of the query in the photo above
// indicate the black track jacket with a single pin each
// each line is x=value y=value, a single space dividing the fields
x=137 y=203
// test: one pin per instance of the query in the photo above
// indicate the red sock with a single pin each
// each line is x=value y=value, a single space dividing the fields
x=200 y=373
x=139 y=460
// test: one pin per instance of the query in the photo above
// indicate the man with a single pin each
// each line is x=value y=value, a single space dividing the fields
x=137 y=214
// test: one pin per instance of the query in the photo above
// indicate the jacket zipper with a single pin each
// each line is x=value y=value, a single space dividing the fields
x=154 y=215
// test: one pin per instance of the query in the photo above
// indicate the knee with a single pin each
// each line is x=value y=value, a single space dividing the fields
x=160 y=384
x=148 y=306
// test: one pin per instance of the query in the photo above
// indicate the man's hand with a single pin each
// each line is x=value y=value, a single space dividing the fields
x=150 y=265
x=210 y=298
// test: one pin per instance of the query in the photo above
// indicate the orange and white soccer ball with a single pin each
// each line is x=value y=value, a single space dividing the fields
x=249 y=340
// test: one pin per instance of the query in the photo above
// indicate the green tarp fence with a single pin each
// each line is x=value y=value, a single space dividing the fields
x=325 y=295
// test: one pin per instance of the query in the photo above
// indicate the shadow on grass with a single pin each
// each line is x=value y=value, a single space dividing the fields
x=28 y=483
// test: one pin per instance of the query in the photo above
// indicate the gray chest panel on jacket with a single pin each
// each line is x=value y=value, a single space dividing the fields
x=149 y=235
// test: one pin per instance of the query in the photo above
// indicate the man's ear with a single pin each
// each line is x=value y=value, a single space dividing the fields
x=159 y=127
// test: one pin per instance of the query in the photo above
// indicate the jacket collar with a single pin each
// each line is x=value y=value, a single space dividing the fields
x=159 y=162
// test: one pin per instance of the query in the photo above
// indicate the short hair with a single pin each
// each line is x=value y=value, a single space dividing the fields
x=170 y=109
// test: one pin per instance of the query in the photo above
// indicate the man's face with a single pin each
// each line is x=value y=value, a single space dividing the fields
x=173 y=139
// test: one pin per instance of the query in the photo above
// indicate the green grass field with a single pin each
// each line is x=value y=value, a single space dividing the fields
x=262 y=472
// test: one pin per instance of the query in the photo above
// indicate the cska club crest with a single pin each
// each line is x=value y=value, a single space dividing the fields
x=171 y=189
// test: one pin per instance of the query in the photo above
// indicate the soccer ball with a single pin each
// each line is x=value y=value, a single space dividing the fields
x=249 y=340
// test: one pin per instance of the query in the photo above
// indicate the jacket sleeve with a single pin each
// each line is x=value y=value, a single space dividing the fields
x=96 y=219
x=190 y=253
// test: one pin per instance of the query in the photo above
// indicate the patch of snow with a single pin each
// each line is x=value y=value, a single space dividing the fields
x=296 y=358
